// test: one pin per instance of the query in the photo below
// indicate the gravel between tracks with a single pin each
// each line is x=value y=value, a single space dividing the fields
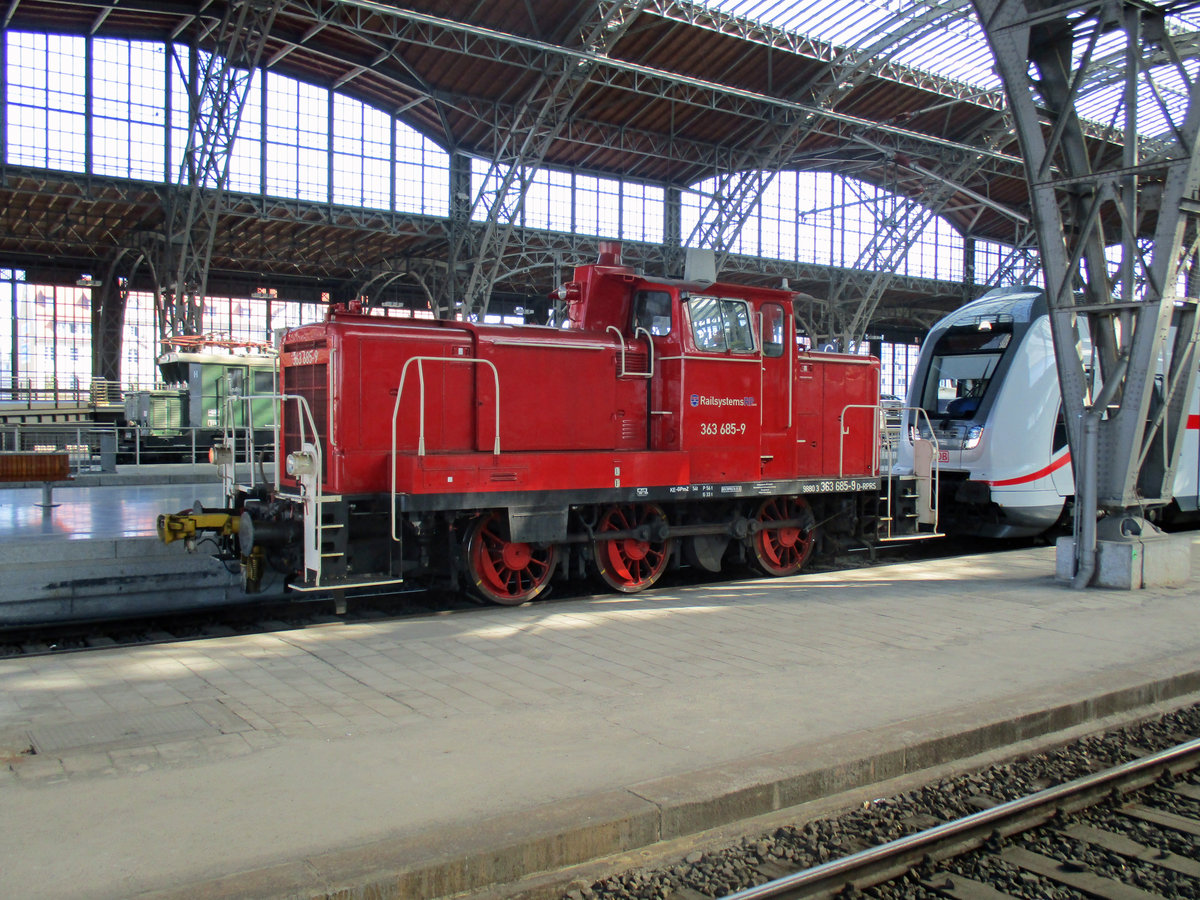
x=719 y=872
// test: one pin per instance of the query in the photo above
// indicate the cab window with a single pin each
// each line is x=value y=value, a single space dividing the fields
x=652 y=311
x=773 y=330
x=720 y=324
x=264 y=381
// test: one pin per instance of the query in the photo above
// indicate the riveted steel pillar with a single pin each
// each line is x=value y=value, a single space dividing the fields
x=1124 y=186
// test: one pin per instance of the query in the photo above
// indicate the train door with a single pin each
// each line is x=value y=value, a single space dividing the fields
x=721 y=386
x=776 y=410
x=808 y=389
x=656 y=313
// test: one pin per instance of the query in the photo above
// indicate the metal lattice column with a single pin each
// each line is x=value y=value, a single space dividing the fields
x=218 y=86
x=1126 y=404
x=542 y=115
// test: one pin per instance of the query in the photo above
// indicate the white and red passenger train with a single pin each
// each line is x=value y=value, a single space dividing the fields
x=665 y=421
x=988 y=387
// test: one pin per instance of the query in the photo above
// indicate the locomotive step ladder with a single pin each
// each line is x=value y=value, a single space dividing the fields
x=331 y=573
x=331 y=536
x=908 y=505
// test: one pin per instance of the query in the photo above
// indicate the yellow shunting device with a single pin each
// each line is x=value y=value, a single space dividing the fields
x=184 y=526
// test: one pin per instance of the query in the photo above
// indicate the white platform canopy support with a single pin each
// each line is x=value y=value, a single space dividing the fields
x=1117 y=231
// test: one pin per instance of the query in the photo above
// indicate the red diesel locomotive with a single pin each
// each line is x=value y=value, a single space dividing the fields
x=665 y=419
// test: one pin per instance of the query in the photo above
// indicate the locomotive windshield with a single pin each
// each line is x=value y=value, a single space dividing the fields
x=964 y=360
x=721 y=324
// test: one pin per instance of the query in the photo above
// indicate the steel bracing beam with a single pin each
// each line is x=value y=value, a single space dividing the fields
x=752 y=169
x=899 y=224
x=1021 y=264
x=542 y=114
x=1130 y=393
x=218 y=83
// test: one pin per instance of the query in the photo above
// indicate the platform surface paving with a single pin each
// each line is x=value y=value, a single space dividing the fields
x=161 y=767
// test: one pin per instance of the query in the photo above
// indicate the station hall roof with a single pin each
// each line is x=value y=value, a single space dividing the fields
x=899 y=94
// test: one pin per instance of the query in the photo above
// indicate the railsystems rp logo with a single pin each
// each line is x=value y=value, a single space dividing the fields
x=702 y=400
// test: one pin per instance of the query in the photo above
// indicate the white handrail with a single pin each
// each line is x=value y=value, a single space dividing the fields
x=230 y=432
x=920 y=413
x=620 y=337
x=650 y=344
x=421 y=411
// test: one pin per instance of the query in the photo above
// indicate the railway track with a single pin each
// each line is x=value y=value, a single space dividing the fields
x=917 y=854
x=1127 y=828
x=276 y=615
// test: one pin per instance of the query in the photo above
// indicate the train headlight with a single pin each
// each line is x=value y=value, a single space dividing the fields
x=972 y=438
x=220 y=455
x=301 y=463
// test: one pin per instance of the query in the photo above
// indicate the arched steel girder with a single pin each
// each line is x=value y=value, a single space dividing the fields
x=1142 y=202
x=754 y=167
x=218 y=84
x=898 y=230
x=109 y=299
x=747 y=169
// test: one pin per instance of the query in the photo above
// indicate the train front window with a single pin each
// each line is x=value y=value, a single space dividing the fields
x=264 y=381
x=963 y=363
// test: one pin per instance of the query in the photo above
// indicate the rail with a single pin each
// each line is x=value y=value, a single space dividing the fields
x=843 y=430
x=302 y=401
x=229 y=431
x=97 y=392
x=298 y=466
x=419 y=360
x=877 y=864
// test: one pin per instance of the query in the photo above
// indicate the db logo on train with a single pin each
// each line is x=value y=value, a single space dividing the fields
x=943 y=456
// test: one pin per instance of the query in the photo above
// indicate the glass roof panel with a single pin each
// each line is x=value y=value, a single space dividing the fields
x=943 y=38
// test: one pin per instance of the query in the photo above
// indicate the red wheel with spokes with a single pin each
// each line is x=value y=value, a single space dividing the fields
x=635 y=561
x=782 y=549
x=504 y=571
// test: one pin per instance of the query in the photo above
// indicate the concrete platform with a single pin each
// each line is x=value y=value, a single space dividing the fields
x=95 y=554
x=421 y=757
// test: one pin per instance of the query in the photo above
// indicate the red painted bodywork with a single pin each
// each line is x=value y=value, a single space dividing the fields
x=569 y=420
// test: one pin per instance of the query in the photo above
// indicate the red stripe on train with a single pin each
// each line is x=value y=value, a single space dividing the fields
x=1193 y=422
x=1054 y=466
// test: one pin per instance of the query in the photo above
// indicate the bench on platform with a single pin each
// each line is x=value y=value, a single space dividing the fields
x=36 y=466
